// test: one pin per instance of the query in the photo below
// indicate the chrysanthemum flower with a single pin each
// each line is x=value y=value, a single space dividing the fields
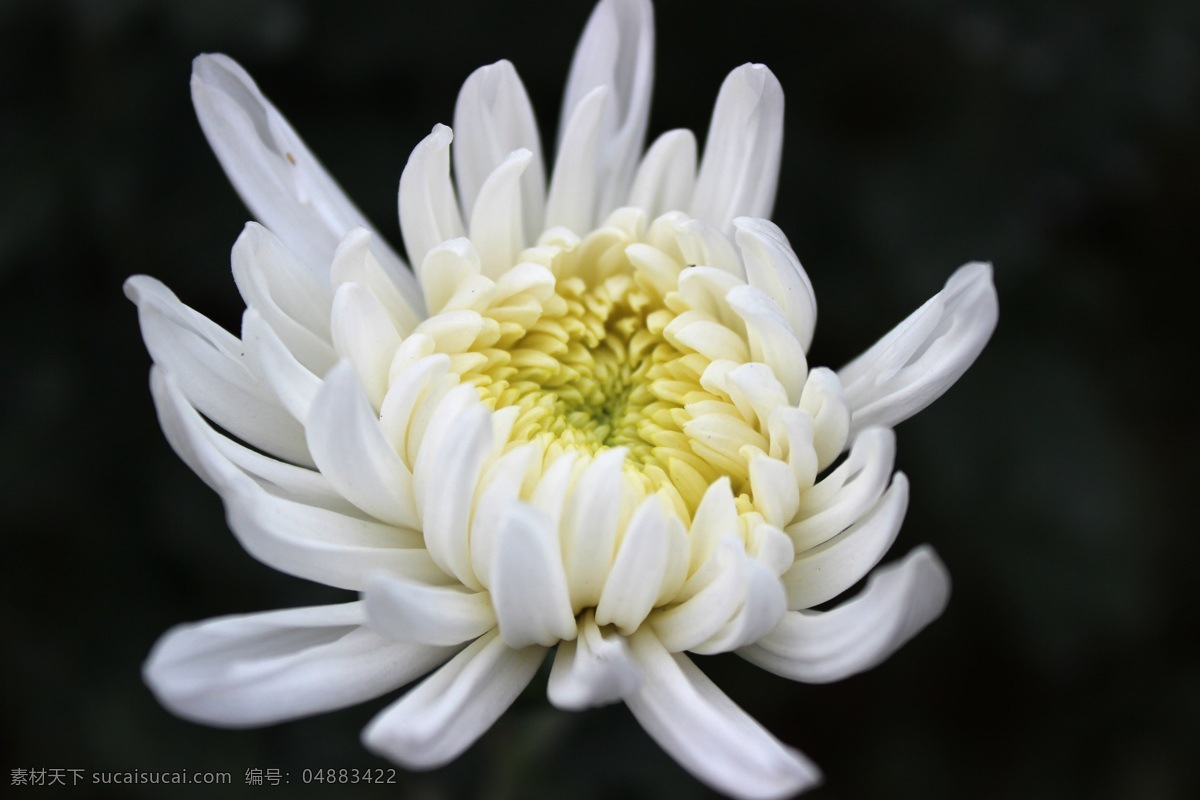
x=583 y=421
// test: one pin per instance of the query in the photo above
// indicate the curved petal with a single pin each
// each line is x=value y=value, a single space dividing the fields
x=589 y=532
x=208 y=364
x=827 y=570
x=425 y=613
x=364 y=335
x=492 y=118
x=740 y=167
x=772 y=341
x=924 y=355
x=528 y=585
x=576 y=181
x=824 y=646
x=307 y=537
x=258 y=669
x=280 y=181
x=772 y=266
x=435 y=722
x=667 y=175
x=592 y=670
x=350 y=449
x=638 y=570
x=615 y=51
x=353 y=262
x=496 y=222
x=428 y=209
x=292 y=383
x=707 y=733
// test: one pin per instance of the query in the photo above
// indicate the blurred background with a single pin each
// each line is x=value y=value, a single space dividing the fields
x=1056 y=138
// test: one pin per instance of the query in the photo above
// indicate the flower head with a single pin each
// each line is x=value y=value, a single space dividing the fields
x=584 y=420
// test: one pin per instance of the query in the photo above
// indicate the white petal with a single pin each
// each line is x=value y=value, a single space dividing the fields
x=773 y=486
x=405 y=396
x=829 y=569
x=528 y=585
x=349 y=448
x=925 y=354
x=503 y=478
x=707 y=733
x=826 y=403
x=353 y=262
x=281 y=182
x=589 y=532
x=454 y=706
x=701 y=244
x=761 y=611
x=424 y=613
x=445 y=475
x=445 y=268
x=772 y=266
x=302 y=537
x=845 y=494
x=740 y=167
x=496 y=223
x=258 y=669
x=616 y=51
x=638 y=570
x=592 y=670
x=208 y=364
x=364 y=334
x=771 y=339
x=667 y=175
x=576 y=182
x=272 y=280
x=492 y=118
x=428 y=209
x=715 y=517
x=683 y=626
x=293 y=385
x=823 y=646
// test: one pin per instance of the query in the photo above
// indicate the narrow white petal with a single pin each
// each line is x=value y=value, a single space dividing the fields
x=683 y=626
x=425 y=613
x=428 y=209
x=701 y=244
x=281 y=182
x=528 y=585
x=829 y=569
x=772 y=341
x=824 y=646
x=503 y=478
x=772 y=266
x=364 y=335
x=575 y=184
x=496 y=222
x=925 y=354
x=353 y=262
x=445 y=268
x=445 y=475
x=740 y=167
x=271 y=279
x=616 y=51
x=792 y=432
x=350 y=449
x=761 y=611
x=773 y=486
x=716 y=516
x=210 y=368
x=492 y=118
x=258 y=669
x=302 y=536
x=292 y=383
x=592 y=670
x=404 y=397
x=638 y=570
x=825 y=401
x=707 y=733
x=666 y=177
x=435 y=722
x=845 y=494
x=589 y=532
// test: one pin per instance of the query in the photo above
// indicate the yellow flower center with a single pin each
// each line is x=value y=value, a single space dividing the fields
x=590 y=368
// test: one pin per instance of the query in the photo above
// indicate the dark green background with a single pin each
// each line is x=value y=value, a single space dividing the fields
x=1057 y=139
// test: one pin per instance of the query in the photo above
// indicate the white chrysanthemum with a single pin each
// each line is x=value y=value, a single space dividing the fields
x=586 y=423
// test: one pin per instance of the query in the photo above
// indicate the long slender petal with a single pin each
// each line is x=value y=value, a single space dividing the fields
x=666 y=177
x=454 y=706
x=616 y=51
x=707 y=733
x=278 y=178
x=492 y=118
x=823 y=646
x=425 y=613
x=258 y=669
x=922 y=357
x=209 y=366
x=529 y=587
x=594 y=669
x=428 y=209
x=740 y=167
